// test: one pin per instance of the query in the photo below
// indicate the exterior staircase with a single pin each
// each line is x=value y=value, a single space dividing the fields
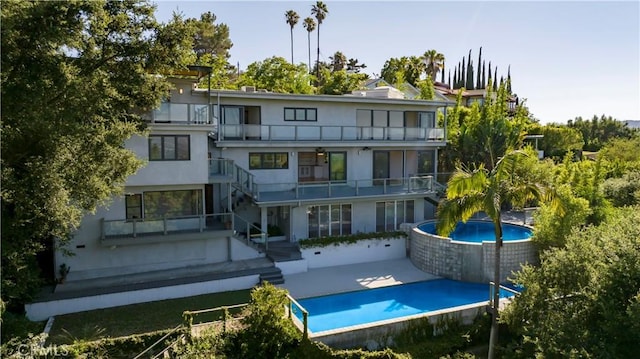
x=283 y=251
x=273 y=276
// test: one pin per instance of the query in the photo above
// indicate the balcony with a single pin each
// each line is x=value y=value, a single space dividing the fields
x=138 y=231
x=181 y=113
x=247 y=132
x=283 y=192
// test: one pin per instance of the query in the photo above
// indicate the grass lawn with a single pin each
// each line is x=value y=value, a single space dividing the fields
x=136 y=318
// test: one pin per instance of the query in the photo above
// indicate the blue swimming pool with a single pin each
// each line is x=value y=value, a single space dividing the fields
x=373 y=305
x=479 y=231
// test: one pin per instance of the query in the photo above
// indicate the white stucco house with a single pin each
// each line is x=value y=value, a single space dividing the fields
x=224 y=168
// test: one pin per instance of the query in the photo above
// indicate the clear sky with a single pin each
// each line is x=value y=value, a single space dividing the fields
x=567 y=59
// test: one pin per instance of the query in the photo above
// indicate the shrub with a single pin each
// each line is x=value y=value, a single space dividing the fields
x=348 y=239
x=623 y=191
x=268 y=332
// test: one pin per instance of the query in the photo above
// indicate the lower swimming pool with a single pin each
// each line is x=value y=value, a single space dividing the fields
x=374 y=305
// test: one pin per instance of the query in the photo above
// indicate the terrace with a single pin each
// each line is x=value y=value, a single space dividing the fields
x=225 y=170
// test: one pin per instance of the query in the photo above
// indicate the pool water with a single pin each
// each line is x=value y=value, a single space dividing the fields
x=373 y=305
x=479 y=231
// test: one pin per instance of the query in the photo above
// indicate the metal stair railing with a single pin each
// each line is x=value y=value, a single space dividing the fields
x=242 y=179
x=258 y=235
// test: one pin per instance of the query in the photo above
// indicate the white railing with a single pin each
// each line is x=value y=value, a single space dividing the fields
x=246 y=132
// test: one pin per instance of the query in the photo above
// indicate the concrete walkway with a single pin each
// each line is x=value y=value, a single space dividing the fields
x=347 y=278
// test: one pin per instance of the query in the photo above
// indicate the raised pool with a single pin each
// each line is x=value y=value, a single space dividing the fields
x=374 y=305
x=479 y=231
x=468 y=255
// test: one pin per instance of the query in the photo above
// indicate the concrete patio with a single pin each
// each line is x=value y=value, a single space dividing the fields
x=347 y=278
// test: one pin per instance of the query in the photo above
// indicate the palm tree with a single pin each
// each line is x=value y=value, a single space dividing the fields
x=320 y=11
x=292 y=19
x=434 y=61
x=310 y=25
x=338 y=61
x=469 y=192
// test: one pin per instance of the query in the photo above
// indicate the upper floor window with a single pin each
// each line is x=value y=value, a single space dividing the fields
x=169 y=148
x=263 y=161
x=300 y=114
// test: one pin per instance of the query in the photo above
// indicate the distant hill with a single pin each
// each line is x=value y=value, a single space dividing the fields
x=632 y=124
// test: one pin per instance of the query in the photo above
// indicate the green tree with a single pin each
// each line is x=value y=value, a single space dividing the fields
x=277 y=75
x=411 y=68
x=433 y=62
x=75 y=76
x=485 y=132
x=624 y=191
x=292 y=19
x=426 y=89
x=309 y=25
x=469 y=192
x=223 y=74
x=478 y=81
x=209 y=37
x=338 y=61
x=621 y=155
x=558 y=140
x=320 y=11
x=583 y=300
x=353 y=65
x=585 y=178
x=340 y=82
x=469 y=80
x=268 y=333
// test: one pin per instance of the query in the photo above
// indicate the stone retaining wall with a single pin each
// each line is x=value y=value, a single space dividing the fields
x=465 y=261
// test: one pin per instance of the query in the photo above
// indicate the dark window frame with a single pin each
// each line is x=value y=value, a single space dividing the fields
x=176 y=147
x=306 y=114
x=130 y=208
x=263 y=160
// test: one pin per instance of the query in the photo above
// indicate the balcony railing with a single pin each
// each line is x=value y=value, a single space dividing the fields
x=181 y=113
x=341 y=189
x=240 y=176
x=246 y=132
x=125 y=228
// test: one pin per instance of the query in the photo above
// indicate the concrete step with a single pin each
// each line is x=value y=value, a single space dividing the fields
x=273 y=277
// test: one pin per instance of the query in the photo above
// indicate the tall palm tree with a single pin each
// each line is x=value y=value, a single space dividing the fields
x=310 y=25
x=320 y=11
x=434 y=61
x=469 y=192
x=292 y=19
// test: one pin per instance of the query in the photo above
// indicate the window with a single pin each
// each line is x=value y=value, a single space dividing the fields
x=426 y=162
x=329 y=220
x=133 y=202
x=390 y=214
x=300 y=114
x=169 y=148
x=427 y=119
x=159 y=204
x=264 y=161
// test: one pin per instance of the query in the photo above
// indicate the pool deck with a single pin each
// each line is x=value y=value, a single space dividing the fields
x=348 y=278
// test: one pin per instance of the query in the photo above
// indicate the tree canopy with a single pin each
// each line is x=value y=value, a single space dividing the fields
x=74 y=77
x=482 y=133
x=277 y=75
x=599 y=130
x=584 y=299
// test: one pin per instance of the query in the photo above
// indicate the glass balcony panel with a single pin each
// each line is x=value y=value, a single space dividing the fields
x=331 y=133
x=199 y=114
x=308 y=133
